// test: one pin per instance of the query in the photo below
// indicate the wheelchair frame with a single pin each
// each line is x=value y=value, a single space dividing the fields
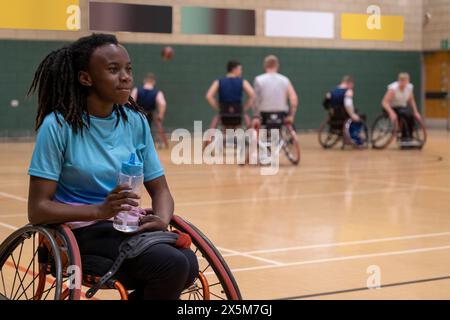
x=288 y=137
x=59 y=263
x=395 y=131
x=339 y=130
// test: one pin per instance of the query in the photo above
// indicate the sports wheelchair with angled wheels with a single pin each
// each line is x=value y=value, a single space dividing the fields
x=338 y=126
x=43 y=262
x=384 y=131
x=230 y=116
x=288 y=140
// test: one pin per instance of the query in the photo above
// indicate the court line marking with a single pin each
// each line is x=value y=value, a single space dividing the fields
x=344 y=258
x=402 y=173
x=8 y=226
x=329 y=293
x=339 y=244
x=302 y=196
x=255 y=199
x=434 y=161
x=317 y=261
x=16 y=215
x=248 y=183
x=11 y=196
x=393 y=184
x=237 y=253
x=387 y=183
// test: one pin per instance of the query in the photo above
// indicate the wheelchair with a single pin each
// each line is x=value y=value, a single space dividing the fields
x=288 y=136
x=43 y=262
x=157 y=130
x=230 y=116
x=384 y=131
x=338 y=126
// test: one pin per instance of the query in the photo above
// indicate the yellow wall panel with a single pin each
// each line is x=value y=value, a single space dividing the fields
x=40 y=14
x=354 y=27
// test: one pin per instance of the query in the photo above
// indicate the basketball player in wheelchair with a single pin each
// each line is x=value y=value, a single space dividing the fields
x=343 y=121
x=271 y=111
x=231 y=112
x=400 y=117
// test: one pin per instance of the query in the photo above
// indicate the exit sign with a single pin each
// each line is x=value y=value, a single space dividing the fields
x=444 y=44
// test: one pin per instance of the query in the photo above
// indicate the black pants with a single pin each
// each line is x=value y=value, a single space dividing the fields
x=161 y=272
x=406 y=119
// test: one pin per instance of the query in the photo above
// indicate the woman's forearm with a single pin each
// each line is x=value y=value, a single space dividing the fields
x=52 y=212
x=162 y=201
x=163 y=205
x=43 y=210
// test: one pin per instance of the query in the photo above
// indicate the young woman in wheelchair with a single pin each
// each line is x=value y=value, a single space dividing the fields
x=398 y=102
x=87 y=125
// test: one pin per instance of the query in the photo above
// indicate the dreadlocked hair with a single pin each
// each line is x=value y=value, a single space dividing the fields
x=59 y=91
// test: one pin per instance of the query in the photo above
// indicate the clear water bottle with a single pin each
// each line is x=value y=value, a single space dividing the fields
x=131 y=174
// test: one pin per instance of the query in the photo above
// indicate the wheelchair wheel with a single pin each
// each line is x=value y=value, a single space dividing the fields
x=43 y=263
x=215 y=280
x=419 y=135
x=383 y=132
x=328 y=137
x=34 y=265
x=361 y=140
x=291 y=146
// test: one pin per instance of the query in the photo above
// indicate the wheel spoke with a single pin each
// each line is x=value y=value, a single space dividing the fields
x=214 y=284
x=21 y=285
x=49 y=289
x=221 y=298
x=26 y=272
x=191 y=291
x=209 y=265
x=3 y=282
x=15 y=274
x=32 y=282
x=34 y=269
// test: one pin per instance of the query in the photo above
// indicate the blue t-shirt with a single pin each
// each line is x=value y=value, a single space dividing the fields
x=87 y=166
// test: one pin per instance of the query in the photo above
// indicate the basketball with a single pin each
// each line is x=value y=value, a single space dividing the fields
x=167 y=53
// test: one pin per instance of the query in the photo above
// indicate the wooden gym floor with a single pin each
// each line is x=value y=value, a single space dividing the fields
x=312 y=231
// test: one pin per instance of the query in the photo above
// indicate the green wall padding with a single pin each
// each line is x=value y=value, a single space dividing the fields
x=188 y=75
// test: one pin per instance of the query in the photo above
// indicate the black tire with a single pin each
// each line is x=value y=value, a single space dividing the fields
x=52 y=251
x=61 y=250
x=291 y=147
x=34 y=236
x=383 y=132
x=216 y=262
x=328 y=137
x=419 y=135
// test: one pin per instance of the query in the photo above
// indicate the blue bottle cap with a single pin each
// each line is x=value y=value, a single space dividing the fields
x=132 y=167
